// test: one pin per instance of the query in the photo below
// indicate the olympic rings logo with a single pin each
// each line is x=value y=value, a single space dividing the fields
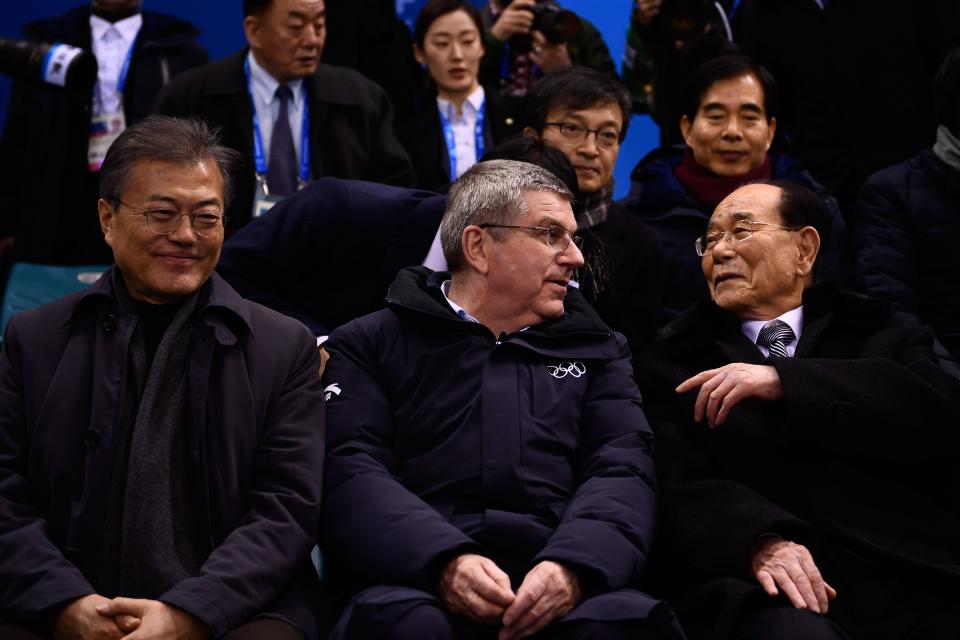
x=564 y=369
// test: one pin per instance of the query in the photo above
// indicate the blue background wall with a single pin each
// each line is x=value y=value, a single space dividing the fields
x=220 y=21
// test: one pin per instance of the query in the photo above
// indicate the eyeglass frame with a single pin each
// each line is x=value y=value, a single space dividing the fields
x=572 y=238
x=586 y=132
x=192 y=216
x=700 y=247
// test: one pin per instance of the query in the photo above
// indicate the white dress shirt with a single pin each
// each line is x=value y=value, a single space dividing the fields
x=111 y=44
x=464 y=128
x=794 y=318
x=267 y=105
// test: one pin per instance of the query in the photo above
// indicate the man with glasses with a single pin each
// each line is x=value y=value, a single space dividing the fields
x=489 y=469
x=161 y=438
x=806 y=444
x=585 y=114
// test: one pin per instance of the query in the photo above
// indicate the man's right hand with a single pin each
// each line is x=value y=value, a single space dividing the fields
x=475 y=587
x=516 y=19
x=81 y=620
x=778 y=562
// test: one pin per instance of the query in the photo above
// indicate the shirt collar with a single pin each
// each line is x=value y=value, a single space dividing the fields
x=264 y=86
x=445 y=289
x=794 y=318
x=471 y=105
x=127 y=28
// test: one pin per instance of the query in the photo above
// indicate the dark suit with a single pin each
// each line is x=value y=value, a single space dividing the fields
x=351 y=133
x=857 y=463
x=423 y=137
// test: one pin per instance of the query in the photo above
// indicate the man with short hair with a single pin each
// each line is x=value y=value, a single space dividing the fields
x=335 y=121
x=489 y=468
x=161 y=438
x=585 y=114
x=806 y=444
x=728 y=125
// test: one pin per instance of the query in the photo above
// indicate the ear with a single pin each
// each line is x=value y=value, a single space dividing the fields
x=475 y=245
x=772 y=131
x=251 y=29
x=418 y=54
x=530 y=132
x=686 y=125
x=108 y=217
x=809 y=247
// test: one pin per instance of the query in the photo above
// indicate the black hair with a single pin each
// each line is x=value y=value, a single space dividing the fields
x=725 y=67
x=536 y=151
x=435 y=9
x=800 y=207
x=946 y=92
x=251 y=7
x=575 y=88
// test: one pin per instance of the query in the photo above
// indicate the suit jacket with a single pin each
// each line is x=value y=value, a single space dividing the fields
x=863 y=441
x=256 y=452
x=351 y=131
x=423 y=137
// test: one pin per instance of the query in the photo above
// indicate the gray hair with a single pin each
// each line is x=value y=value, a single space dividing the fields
x=491 y=193
x=177 y=140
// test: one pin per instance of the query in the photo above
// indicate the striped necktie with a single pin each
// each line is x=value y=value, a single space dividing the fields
x=775 y=336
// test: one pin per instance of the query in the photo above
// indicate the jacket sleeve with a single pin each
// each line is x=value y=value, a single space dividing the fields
x=607 y=527
x=371 y=523
x=259 y=558
x=34 y=575
x=886 y=259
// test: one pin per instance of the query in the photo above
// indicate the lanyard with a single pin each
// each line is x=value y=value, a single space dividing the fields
x=452 y=141
x=259 y=157
x=122 y=80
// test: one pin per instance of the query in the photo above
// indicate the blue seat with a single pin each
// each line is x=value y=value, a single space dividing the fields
x=31 y=285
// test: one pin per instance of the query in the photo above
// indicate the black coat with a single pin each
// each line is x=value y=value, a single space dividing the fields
x=48 y=198
x=863 y=442
x=908 y=219
x=327 y=254
x=423 y=138
x=256 y=455
x=351 y=125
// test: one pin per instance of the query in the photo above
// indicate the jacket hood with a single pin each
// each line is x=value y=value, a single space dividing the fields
x=417 y=290
x=66 y=27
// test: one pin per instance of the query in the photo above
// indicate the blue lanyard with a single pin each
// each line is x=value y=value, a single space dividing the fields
x=122 y=80
x=452 y=141
x=259 y=157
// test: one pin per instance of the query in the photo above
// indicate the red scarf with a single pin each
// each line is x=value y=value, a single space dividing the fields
x=707 y=187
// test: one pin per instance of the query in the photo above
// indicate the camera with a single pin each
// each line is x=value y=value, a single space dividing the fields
x=58 y=64
x=553 y=21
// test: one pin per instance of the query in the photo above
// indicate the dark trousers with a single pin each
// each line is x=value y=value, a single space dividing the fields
x=256 y=630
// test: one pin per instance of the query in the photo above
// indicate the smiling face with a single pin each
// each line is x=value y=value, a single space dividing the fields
x=287 y=37
x=730 y=134
x=165 y=268
x=762 y=277
x=529 y=279
x=452 y=49
x=594 y=165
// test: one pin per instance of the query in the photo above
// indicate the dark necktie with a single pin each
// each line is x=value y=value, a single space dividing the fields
x=775 y=336
x=282 y=170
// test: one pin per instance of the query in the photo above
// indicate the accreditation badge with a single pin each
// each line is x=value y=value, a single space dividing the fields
x=104 y=129
x=263 y=200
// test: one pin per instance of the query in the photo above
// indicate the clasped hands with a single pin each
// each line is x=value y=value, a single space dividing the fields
x=724 y=388
x=475 y=587
x=94 y=616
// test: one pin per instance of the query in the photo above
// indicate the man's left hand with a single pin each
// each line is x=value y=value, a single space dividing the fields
x=547 y=55
x=724 y=388
x=548 y=592
x=157 y=620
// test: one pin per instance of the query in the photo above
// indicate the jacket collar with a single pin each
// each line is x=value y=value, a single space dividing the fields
x=222 y=309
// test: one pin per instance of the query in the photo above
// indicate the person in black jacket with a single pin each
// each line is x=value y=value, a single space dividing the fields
x=585 y=114
x=48 y=187
x=345 y=123
x=806 y=439
x=907 y=216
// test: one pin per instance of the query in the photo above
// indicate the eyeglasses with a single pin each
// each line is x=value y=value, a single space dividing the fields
x=743 y=230
x=163 y=222
x=554 y=236
x=607 y=138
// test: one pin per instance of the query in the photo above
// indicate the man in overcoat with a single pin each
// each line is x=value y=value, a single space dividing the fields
x=489 y=471
x=806 y=445
x=161 y=438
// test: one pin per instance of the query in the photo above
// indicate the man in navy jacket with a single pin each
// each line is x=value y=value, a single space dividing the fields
x=489 y=467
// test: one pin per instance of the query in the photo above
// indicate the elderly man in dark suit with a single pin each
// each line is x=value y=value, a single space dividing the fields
x=337 y=123
x=807 y=442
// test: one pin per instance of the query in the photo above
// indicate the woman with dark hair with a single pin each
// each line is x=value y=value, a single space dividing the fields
x=457 y=119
